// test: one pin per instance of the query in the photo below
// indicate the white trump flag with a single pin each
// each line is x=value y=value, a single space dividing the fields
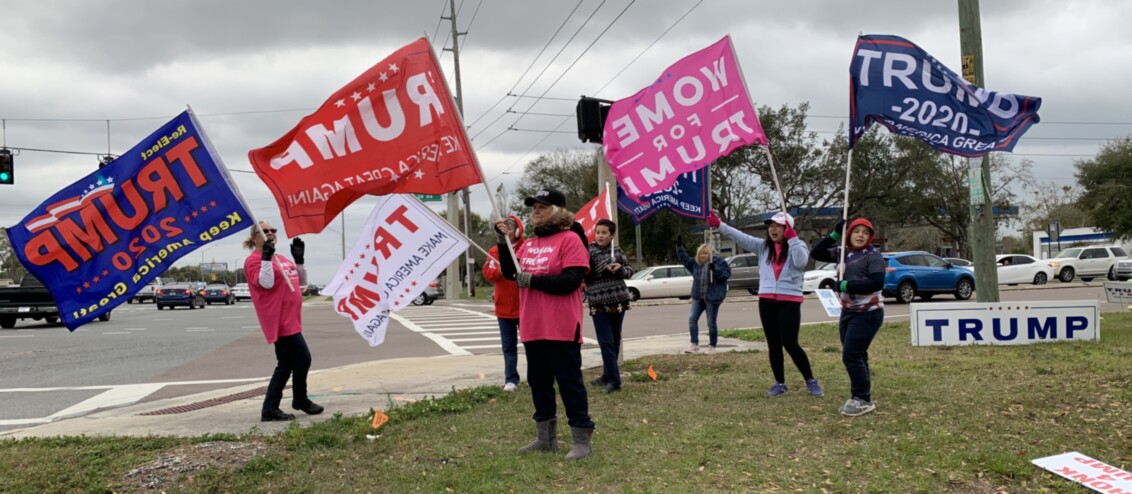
x=403 y=247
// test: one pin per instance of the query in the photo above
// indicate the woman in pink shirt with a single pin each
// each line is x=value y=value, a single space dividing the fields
x=279 y=309
x=553 y=264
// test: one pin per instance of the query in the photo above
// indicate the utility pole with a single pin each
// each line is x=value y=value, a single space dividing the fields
x=982 y=230
x=453 y=284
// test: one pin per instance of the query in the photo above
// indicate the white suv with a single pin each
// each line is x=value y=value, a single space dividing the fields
x=1087 y=262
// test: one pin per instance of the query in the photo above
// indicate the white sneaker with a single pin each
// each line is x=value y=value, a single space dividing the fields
x=693 y=349
x=710 y=350
x=510 y=387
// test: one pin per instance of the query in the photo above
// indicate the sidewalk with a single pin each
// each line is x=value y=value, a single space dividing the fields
x=351 y=390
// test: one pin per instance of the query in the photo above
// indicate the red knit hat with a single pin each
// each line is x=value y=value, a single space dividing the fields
x=865 y=223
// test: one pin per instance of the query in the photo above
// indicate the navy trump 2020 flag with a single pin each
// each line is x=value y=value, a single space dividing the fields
x=101 y=239
x=687 y=197
x=897 y=84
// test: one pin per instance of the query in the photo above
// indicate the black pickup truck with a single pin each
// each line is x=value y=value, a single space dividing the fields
x=30 y=300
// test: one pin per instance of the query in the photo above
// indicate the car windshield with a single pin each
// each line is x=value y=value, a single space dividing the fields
x=217 y=287
x=178 y=286
x=1068 y=253
x=640 y=275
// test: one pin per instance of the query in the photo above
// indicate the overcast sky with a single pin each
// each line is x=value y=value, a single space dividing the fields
x=252 y=69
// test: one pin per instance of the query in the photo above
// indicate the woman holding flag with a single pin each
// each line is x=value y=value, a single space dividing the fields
x=782 y=260
x=554 y=262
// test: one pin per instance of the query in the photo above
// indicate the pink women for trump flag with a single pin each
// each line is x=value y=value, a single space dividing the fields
x=694 y=112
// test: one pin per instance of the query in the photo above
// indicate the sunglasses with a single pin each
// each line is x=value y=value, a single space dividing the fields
x=269 y=230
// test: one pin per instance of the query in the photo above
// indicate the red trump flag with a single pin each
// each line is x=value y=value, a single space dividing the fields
x=394 y=129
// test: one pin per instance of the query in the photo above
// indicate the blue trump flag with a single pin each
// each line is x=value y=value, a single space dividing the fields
x=687 y=197
x=100 y=240
x=896 y=84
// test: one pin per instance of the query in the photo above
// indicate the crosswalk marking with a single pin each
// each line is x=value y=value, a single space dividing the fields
x=453 y=328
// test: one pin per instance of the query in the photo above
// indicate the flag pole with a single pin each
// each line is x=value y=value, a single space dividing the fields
x=845 y=217
x=609 y=213
x=774 y=174
x=475 y=159
x=232 y=185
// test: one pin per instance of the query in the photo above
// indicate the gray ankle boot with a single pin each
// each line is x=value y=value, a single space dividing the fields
x=546 y=439
x=582 y=446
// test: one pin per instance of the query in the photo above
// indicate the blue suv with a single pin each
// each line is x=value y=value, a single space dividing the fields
x=919 y=274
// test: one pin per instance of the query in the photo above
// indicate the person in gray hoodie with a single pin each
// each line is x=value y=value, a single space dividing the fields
x=782 y=262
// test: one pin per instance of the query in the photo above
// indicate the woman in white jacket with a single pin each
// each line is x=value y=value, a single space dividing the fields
x=782 y=263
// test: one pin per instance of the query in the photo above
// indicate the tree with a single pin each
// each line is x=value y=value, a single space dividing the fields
x=570 y=171
x=1053 y=204
x=10 y=266
x=1107 y=183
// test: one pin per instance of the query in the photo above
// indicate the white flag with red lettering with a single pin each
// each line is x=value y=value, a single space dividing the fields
x=403 y=247
x=596 y=209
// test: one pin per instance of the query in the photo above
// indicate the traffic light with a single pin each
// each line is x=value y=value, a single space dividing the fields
x=591 y=113
x=7 y=170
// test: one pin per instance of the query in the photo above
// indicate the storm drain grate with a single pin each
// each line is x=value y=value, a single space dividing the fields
x=200 y=405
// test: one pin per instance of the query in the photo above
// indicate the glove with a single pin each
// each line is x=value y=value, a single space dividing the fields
x=500 y=238
x=713 y=220
x=841 y=286
x=268 y=250
x=835 y=232
x=679 y=240
x=789 y=233
x=298 y=249
x=523 y=279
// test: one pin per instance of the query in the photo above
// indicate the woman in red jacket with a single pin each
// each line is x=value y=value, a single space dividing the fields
x=506 y=298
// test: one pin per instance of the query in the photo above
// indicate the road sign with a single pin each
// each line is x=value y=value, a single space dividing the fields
x=1054 y=231
x=428 y=197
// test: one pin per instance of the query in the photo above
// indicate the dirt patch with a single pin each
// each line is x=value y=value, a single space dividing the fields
x=166 y=471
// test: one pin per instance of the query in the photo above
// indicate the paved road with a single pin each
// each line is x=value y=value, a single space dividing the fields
x=144 y=354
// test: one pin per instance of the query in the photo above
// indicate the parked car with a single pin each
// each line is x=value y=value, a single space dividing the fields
x=1087 y=262
x=744 y=272
x=920 y=274
x=1123 y=270
x=823 y=276
x=1014 y=269
x=176 y=294
x=241 y=292
x=310 y=290
x=219 y=292
x=660 y=282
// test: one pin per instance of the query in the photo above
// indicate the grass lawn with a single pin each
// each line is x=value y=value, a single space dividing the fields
x=948 y=419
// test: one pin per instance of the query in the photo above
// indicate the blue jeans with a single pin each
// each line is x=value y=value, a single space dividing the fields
x=509 y=337
x=607 y=325
x=857 y=331
x=292 y=358
x=698 y=307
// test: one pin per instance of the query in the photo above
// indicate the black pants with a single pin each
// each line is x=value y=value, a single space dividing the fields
x=293 y=358
x=549 y=361
x=781 y=324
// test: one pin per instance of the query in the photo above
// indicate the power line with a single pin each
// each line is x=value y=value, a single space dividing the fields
x=440 y=18
x=528 y=69
x=468 y=28
x=639 y=55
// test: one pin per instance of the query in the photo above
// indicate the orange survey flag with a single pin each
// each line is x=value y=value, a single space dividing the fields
x=379 y=419
x=652 y=373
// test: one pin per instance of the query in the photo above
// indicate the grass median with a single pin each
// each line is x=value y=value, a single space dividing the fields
x=948 y=419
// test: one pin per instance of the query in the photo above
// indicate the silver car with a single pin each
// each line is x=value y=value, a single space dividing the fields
x=660 y=282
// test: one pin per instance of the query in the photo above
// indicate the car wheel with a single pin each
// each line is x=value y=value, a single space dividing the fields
x=159 y=306
x=129 y=301
x=634 y=294
x=104 y=317
x=1112 y=273
x=826 y=285
x=1066 y=275
x=753 y=291
x=1086 y=279
x=420 y=300
x=51 y=319
x=905 y=292
x=429 y=301
x=1040 y=279
x=7 y=322
x=964 y=289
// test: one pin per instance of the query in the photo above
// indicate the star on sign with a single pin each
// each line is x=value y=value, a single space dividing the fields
x=356 y=96
x=383 y=77
x=396 y=177
x=340 y=103
x=393 y=67
x=419 y=174
x=371 y=87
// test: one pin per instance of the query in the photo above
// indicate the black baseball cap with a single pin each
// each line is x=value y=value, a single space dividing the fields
x=549 y=197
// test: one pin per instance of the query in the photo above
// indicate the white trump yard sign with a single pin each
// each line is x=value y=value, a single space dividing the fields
x=1001 y=323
